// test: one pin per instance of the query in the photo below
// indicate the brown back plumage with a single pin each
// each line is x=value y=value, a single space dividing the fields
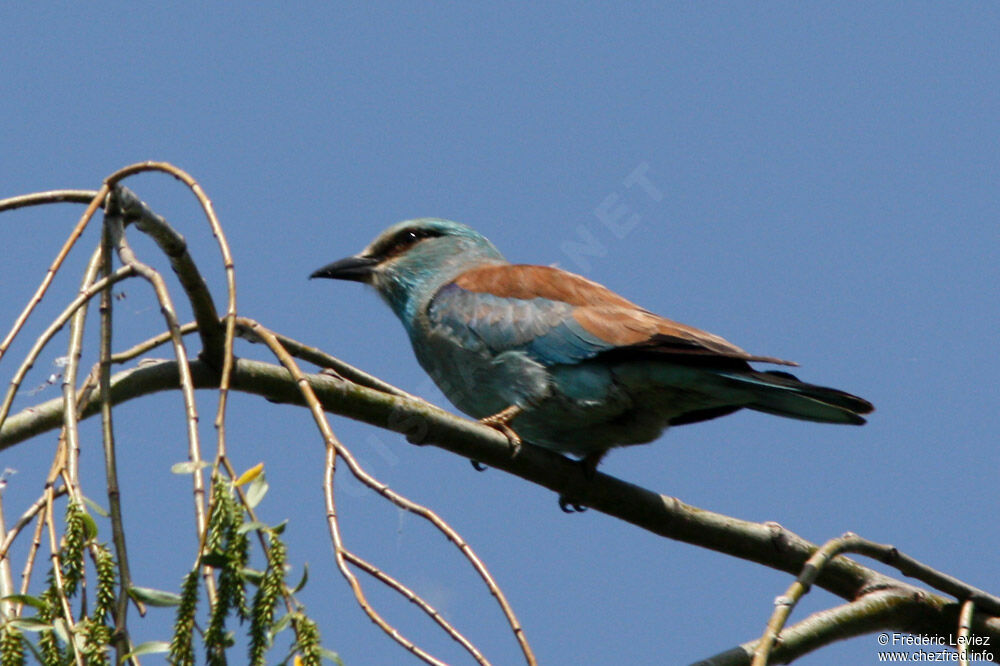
x=634 y=331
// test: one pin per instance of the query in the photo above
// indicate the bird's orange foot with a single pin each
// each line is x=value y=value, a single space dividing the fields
x=500 y=421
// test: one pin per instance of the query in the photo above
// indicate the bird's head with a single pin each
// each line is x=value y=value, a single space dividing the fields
x=408 y=262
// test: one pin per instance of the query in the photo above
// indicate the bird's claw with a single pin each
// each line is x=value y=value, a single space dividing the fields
x=588 y=465
x=500 y=421
x=512 y=438
x=570 y=506
x=478 y=466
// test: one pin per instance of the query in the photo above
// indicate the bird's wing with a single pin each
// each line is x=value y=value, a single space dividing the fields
x=560 y=317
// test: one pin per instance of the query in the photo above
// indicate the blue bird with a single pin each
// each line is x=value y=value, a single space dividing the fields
x=558 y=360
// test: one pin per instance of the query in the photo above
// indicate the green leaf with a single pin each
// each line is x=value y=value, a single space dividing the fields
x=148 y=595
x=29 y=624
x=189 y=467
x=27 y=599
x=305 y=579
x=62 y=630
x=149 y=647
x=251 y=525
x=89 y=524
x=281 y=624
x=95 y=507
x=252 y=576
x=256 y=491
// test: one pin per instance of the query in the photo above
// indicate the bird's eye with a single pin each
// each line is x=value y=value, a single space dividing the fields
x=408 y=238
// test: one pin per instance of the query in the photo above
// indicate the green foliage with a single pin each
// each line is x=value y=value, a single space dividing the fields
x=11 y=647
x=151 y=597
x=228 y=550
x=107 y=578
x=62 y=639
x=264 y=602
x=307 y=645
x=92 y=635
x=48 y=645
x=95 y=630
x=181 y=647
x=92 y=639
x=71 y=554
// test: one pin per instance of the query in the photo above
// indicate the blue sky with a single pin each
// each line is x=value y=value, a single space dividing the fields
x=829 y=194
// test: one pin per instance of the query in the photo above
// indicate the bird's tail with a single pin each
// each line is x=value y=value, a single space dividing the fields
x=783 y=394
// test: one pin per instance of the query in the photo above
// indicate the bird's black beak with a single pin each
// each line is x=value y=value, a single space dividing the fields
x=357 y=269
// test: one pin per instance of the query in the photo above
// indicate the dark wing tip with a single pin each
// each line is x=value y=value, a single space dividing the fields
x=772 y=360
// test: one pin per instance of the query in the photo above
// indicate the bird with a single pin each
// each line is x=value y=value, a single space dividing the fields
x=552 y=358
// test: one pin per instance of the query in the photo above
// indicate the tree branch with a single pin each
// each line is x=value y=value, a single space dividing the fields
x=765 y=543
x=174 y=247
x=877 y=610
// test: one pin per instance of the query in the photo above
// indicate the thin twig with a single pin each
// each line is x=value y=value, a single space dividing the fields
x=876 y=610
x=95 y=203
x=23 y=521
x=413 y=597
x=784 y=604
x=332 y=363
x=57 y=577
x=50 y=197
x=320 y=418
x=338 y=552
x=908 y=566
x=120 y=636
x=150 y=344
x=174 y=247
x=852 y=543
x=49 y=333
x=6 y=580
x=36 y=543
x=965 y=631
x=73 y=354
x=116 y=229
x=45 y=505
x=212 y=349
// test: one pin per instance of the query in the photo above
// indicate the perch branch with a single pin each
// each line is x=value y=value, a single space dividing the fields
x=767 y=544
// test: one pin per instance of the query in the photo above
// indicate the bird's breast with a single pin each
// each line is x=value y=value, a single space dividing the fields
x=476 y=379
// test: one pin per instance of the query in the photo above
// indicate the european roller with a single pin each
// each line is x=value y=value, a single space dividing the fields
x=558 y=360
